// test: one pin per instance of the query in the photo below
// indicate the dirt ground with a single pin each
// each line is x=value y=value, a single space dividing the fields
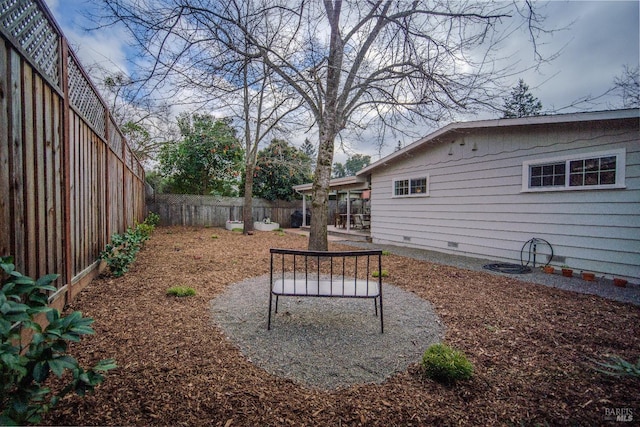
x=532 y=347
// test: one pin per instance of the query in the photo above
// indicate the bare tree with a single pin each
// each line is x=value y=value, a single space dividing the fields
x=145 y=123
x=628 y=86
x=354 y=64
x=189 y=60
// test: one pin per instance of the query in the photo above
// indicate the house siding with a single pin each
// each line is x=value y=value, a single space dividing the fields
x=476 y=205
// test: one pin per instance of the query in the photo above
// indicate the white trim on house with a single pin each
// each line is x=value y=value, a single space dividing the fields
x=620 y=155
x=412 y=189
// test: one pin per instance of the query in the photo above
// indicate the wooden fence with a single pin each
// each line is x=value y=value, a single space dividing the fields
x=68 y=179
x=191 y=210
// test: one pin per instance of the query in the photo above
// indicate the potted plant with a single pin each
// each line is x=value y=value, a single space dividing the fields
x=588 y=276
x=566 y=271
x=548 y=269
x=619 y=282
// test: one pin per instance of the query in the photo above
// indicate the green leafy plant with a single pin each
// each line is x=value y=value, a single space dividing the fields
x=386 y=253
x=121 y=252
x=25 y=369
x=616 y=366
x=237 y=230
x=442 y=363
x=152 y=219
x=215 y=236
x=181 y=291
x=385 y=273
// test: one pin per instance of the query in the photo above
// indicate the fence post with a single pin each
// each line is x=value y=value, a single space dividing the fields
x=66 y=166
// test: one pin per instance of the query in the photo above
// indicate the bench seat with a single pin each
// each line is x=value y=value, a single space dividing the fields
x=326 y=288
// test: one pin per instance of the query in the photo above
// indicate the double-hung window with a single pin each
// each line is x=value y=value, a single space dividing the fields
x=411 y=187
x=599 y=170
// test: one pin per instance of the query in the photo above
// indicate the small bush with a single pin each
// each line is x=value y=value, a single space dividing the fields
x=385 y=273
x=123 y=248
x=152 y=219
x=181 y=291
x=26 y=368
x=444 y=364
x=238 y=230
x=215 y=236
x=386 y=253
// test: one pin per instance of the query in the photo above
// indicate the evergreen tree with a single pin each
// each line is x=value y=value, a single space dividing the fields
x=521 y=102
x=352 y=166
x=338 y=170
x=208 y=159
x=279 y=167
x=310 y=150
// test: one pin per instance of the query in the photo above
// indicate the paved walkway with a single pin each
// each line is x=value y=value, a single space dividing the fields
x=601 y=287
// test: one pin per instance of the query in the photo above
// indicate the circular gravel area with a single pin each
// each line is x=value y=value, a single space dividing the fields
x=327 y=343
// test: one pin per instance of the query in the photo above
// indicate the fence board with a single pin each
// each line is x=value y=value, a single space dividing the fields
x=41 y=184
x=5 y=197
x=212 y=211
x=63 y=190
x=15 y=167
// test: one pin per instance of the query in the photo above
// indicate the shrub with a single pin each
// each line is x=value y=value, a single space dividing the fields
x=443 y=363
x=122 y=251
x=153 y=219
x=181 y=291
x=618 y=367
x=25 y=369
x=386 y=253
x=385 y=273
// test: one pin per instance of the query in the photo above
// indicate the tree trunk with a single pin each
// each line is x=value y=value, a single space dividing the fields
x=330 y=124
x=320 y=192
x=247 y=210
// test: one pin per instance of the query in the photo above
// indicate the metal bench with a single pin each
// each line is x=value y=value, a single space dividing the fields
x=303 y=273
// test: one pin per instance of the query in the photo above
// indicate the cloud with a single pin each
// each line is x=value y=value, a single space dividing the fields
x=106 y=48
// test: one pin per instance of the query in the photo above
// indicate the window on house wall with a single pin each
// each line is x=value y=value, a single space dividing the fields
x=600 y=170
x=418 y=186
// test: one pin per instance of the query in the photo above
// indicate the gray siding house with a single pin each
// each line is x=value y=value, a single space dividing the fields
x=485 y=188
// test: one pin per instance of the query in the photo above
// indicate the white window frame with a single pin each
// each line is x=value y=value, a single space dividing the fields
x=409 y=179
x=620 y=155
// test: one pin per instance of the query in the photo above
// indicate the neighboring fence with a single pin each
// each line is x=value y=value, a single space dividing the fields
x=182 y=209
x=68 y=180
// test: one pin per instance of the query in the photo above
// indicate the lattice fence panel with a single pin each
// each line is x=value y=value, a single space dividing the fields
x=84 y=99
x=115 y=140
x=25 y=21
x=127 y=157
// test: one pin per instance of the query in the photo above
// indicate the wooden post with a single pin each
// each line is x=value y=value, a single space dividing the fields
x=66 y=166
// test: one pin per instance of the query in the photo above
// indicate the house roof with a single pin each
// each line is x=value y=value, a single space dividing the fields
x=449 y=131
x=346 y=183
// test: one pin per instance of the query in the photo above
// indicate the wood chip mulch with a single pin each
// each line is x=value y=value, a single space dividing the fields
x=532 y=347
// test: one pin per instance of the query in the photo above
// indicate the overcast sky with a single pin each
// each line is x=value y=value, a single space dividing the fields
x=599 y=38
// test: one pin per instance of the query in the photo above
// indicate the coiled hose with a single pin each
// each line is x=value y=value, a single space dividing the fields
x=523 y=267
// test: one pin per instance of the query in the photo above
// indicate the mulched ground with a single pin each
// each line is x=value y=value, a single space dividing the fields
x=532 y=347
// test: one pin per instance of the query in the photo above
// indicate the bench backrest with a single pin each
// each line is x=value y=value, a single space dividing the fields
x=326 y=273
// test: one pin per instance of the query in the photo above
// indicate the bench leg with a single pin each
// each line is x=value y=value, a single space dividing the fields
x=269 y=317
x=277 y=304
x=375 y=305
x=381 y=316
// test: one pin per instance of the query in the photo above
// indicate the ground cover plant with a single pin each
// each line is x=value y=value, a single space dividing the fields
x=443 y=363
x=532 y=348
